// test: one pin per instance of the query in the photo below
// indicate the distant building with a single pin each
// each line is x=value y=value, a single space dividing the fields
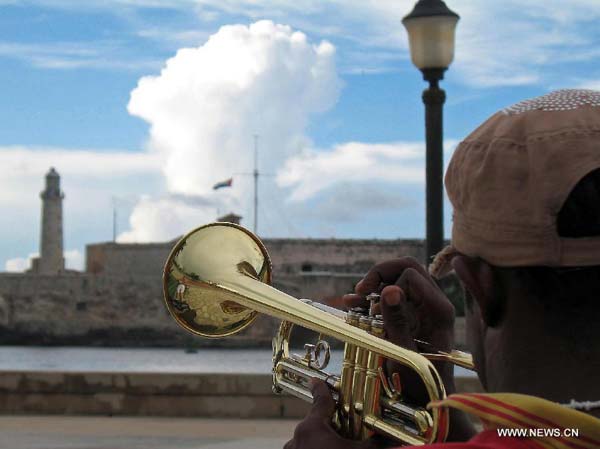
x=51 y=260
x=230 y=218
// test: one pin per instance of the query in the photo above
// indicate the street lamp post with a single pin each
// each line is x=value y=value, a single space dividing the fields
x=431 y=26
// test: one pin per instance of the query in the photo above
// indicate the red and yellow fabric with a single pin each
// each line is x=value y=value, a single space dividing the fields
x=518 y=411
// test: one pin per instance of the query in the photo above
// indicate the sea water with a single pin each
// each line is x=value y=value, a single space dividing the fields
x=147 y=360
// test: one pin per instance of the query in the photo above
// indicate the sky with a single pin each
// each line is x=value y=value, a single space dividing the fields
x=143 y=105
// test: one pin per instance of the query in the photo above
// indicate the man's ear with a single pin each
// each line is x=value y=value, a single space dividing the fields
x=478 y=277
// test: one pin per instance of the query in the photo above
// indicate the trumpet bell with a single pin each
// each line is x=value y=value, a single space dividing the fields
x=199 y=264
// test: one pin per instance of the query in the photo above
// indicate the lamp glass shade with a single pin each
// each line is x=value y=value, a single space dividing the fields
x=431 y=40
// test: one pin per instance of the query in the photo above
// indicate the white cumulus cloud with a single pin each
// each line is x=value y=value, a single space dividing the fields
x=207 y=103
x=161 y=219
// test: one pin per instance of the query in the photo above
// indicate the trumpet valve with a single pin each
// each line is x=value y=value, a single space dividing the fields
x=372 y=298
x=364 y=322
x=317 y=356
x=309 y=351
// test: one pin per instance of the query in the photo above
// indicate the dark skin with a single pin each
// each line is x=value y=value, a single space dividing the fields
x=505 y=334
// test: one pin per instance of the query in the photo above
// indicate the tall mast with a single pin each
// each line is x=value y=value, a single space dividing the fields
x=114 y=217
x=255 y=173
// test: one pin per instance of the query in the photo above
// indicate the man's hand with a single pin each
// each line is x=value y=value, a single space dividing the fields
x=316 y=430
x=413 y=308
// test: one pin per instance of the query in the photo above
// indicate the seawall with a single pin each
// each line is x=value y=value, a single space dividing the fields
x=151 y=394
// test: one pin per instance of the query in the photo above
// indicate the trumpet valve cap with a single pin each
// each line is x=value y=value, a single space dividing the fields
x=309 y=348
x=373 y=299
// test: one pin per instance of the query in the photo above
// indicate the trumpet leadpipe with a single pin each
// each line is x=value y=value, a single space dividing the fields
x=456 y=357
x=325 y=308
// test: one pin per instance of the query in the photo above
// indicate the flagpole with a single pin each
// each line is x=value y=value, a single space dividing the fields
x=114 y=217
x=255 y=183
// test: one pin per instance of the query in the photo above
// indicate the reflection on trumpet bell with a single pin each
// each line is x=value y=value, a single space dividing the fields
x=198 y=262
x=217 y=278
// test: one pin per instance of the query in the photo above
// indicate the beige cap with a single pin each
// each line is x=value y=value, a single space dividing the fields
x=508 y=180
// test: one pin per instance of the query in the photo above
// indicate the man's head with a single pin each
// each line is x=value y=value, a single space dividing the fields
x=525 y=187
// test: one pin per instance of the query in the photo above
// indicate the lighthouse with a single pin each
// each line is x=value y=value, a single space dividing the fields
x=51 y=260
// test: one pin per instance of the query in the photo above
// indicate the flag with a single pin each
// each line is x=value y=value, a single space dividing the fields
x=226 y=183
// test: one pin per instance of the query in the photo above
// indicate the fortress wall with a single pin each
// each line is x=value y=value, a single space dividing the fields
x=320 y=286
x=315 y=269
x=339 y=256
x=289 y=256
x=127 y=260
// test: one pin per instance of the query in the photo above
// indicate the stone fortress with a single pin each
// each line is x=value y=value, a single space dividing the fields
x=117 y=300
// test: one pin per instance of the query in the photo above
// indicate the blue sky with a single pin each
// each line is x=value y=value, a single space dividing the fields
x=338 y=111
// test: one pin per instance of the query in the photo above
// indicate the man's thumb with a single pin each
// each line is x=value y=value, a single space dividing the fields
x=323 y=403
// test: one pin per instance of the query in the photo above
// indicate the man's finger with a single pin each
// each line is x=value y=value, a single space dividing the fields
x=323 y=403
x=388 y=273
x=352 y=300
x=417 y=289
x=427 y=299
x=399 y=318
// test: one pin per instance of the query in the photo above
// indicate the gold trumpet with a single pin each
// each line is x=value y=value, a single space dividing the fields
x=217 y=279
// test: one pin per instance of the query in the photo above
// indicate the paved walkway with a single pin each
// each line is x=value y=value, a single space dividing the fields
x=78 y=432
